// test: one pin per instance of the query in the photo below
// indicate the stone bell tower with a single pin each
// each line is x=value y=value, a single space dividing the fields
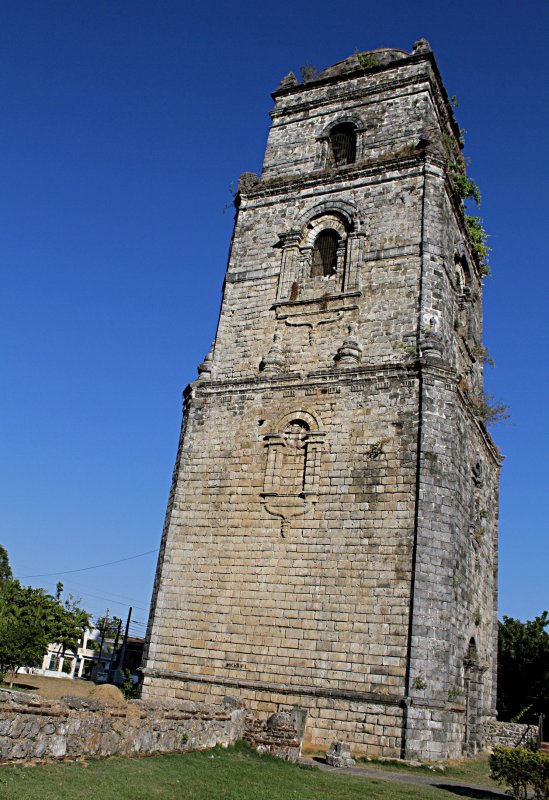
x=331 y=535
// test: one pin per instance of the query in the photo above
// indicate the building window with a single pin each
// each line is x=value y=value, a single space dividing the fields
x=324 y=259
x=343 y=144
x=471 y=657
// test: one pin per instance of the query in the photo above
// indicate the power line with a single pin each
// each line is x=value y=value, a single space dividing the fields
x=110 y=600
x=86 y=590
x=85 y=569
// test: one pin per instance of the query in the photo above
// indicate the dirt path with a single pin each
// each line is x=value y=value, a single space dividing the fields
x=451 y=785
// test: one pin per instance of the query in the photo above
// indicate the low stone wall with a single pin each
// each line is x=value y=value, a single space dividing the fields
x=508 y=734
x=32 y=727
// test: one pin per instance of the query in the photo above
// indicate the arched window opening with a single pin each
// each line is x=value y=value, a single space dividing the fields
x=324 y=262
x=343 y=144
x=295 y=457
x=296 y=433
x=471 y=657
x=461 y=274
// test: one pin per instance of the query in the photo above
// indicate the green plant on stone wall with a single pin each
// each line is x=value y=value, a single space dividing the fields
x=458 y=579
x=308 y=73
x=466 y=187
x=375 y=450
x=483 y=354
x=448 y=142
x=488 y=410
x=409 y=149
x=478 y=237
x=366 y=60
x=477 y=618
x=419 y=683
x=409 y=349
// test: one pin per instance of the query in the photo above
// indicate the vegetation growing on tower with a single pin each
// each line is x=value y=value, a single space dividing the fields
x=467 y=189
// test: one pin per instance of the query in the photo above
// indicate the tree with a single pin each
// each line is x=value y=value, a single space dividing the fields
x=109 y=626
x=523 y=668
x=5 y=569
x=31 y=619
x=24 y=626
x=70 y=621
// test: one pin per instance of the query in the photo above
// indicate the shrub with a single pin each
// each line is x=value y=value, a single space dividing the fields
x=308 y=73
x=522 y=770
x=366 y=60
x=129 y=689
x=489 y=410
x=466 y=187
x=478 y=238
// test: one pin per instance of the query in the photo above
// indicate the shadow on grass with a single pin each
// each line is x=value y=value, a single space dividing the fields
x=468 y=791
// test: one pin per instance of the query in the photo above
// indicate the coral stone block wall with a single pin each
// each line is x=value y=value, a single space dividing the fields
x=331 y=535
x=32 y=727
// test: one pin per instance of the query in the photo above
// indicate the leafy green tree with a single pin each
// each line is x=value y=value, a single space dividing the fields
x=523 y=669
x=5 y=569
x=109 y=626
x=31 y=619
x=70 y=621
x=24 y=625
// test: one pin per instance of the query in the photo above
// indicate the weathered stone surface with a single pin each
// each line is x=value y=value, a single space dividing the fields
x=281 y=734
x=331 y=534
x=140 y=727
x=339 y=755
x=508 y=734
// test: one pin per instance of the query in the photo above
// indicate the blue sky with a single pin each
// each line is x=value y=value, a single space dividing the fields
x=124 y=128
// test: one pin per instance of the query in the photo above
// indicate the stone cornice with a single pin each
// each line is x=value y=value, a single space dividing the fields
x=347 y=94
x=353 y=172
x=351 y=74
x=337 y=376
x=279 y=688
x=427 y=58
x=297 y=690
x=299 y=380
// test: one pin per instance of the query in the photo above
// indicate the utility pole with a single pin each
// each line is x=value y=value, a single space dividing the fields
x=120 y=668
x=114 y=664
x=103 y=632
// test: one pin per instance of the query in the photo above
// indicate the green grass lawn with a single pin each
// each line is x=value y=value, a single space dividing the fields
x=474 y=771
x=233 y=774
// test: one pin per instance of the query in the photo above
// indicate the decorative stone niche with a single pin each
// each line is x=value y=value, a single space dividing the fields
x=293 y=465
